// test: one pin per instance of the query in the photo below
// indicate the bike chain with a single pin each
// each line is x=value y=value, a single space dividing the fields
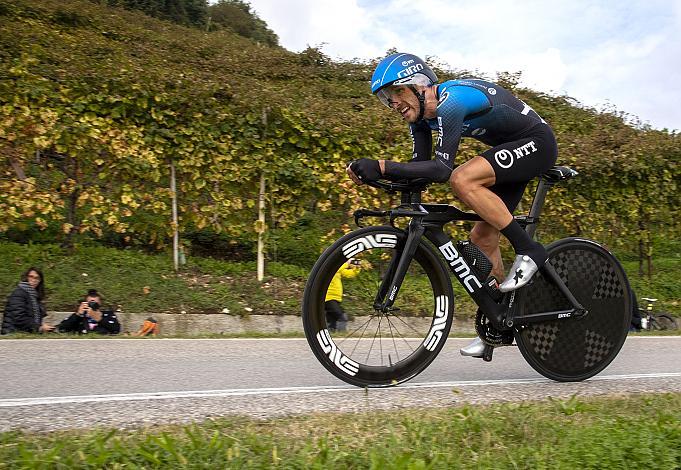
x=489 y=334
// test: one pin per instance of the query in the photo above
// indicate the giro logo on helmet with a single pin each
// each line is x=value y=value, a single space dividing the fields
x=411 y=70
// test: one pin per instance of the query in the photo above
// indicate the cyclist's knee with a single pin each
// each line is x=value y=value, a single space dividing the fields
x=460 y=182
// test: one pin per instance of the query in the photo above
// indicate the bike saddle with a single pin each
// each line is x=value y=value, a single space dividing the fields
x=559 y=173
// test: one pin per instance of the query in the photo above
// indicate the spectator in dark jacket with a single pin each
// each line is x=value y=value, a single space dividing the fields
x=25 y=311
x=91 y=317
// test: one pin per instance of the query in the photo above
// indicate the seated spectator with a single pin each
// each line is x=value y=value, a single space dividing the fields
x=90 y=317
x=25 y=311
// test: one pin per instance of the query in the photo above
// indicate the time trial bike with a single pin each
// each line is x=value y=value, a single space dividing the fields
x=569 y=322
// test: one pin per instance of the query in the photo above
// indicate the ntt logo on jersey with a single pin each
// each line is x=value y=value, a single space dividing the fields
x=505 y=158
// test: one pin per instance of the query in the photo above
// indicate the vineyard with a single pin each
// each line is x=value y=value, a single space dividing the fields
x=96 y=104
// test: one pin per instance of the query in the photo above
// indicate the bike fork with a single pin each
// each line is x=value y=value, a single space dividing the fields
x=387 y=292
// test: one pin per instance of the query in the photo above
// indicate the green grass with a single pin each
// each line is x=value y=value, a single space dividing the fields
x=665 y=284
x=629 y=432
x=138 y=282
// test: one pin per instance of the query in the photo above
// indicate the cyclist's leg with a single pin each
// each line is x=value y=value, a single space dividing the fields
x=515 y=163
x=471 y=182
x=486 y=237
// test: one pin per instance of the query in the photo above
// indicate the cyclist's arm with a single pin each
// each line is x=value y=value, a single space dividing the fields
x=434 y=170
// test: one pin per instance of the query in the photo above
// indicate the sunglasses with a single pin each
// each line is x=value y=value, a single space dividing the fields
x=387 y=95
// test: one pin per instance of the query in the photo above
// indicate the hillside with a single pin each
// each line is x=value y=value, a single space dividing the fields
x=97 y=102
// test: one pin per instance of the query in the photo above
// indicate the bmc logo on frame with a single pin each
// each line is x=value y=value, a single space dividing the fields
x=463 y=272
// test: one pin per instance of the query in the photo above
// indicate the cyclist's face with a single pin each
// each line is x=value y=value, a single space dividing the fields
x=403 y=100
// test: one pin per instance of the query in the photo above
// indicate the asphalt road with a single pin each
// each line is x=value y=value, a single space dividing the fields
x=50 y=384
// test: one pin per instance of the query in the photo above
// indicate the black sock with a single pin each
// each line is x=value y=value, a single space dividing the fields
x=523 y=244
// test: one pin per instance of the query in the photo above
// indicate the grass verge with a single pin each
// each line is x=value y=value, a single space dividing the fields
x=628 y=432
x=138 y=282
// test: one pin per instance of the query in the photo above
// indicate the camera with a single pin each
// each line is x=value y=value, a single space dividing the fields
x=93 y=305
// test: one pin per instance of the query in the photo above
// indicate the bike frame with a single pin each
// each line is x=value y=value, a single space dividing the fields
x=428 y=220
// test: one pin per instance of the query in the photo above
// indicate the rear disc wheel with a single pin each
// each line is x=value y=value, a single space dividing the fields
x=576 y=348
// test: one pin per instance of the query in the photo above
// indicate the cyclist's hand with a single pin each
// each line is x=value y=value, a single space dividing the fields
x=363 y=170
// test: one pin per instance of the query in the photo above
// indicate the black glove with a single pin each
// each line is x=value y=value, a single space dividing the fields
x=366 y=169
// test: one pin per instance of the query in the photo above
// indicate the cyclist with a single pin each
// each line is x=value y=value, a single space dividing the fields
x=522 y=147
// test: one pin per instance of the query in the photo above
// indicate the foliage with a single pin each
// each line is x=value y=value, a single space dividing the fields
x=237 y=16
x=187 y=12
x=96 y=103
x=631 y=432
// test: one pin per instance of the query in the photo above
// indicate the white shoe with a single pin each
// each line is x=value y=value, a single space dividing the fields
x=475 y=349
x=520 y=274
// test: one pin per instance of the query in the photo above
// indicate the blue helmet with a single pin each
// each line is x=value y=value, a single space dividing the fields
x=401 y=69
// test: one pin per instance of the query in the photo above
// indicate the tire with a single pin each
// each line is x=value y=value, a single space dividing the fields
x=663 y=321
x=574 y=349
x=379 y=350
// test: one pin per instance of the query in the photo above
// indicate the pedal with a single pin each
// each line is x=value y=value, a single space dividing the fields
x=487 y=353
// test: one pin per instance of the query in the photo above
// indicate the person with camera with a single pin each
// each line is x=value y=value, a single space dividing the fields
x=336 y=318
x=91 y=318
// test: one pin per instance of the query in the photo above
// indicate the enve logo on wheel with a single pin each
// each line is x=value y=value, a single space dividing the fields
x=439 y=323
x=380 y=240
x=339 y=359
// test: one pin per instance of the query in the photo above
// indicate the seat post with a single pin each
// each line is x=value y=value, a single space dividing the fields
x=537 y=205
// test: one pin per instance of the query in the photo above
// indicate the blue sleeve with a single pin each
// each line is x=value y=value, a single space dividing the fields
x=456 y=103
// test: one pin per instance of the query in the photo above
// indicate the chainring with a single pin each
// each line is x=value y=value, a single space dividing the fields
x=489 y=334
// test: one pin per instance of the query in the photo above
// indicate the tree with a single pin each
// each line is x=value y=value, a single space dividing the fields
x=186 y=12
x=237 y=16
